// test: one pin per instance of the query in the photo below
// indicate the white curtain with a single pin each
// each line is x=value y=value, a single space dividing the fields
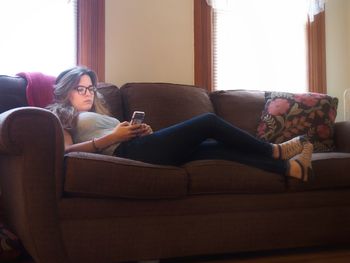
x=314 y=6
x=219 y=4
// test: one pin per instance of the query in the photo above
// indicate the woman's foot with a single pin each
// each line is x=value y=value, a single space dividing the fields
x=300 y=166
x=289 y=149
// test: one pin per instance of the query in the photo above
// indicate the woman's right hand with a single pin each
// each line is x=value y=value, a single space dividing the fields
x=125 y=132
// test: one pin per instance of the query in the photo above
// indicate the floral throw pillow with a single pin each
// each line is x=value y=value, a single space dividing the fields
x=287 y=115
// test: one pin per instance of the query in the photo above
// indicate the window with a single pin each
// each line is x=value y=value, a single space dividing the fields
x=259 y=45
x=50 y=36
x=35 y=37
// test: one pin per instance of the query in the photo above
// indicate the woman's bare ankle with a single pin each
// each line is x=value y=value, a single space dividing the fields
x=295 y=170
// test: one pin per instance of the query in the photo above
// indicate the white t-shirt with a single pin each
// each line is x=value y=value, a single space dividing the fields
x=94 y=125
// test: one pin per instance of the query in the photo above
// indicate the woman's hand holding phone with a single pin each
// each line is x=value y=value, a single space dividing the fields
x=138 y=118
x=125 y=132
x=145 y=130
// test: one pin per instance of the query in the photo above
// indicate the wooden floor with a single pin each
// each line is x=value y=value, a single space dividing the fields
x=311 y=255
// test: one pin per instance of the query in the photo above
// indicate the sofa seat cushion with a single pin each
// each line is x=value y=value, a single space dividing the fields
x=220 y=176
x=94 y=175
x=331 y=169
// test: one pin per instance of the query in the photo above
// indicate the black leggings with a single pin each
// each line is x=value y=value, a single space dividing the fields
x=203 y=137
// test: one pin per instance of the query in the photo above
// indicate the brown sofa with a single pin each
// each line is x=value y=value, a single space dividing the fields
x=84 y=207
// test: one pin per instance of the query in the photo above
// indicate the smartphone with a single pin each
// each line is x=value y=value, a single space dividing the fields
x=137 y=117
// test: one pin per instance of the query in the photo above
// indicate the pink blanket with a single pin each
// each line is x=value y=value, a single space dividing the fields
x=39 y=89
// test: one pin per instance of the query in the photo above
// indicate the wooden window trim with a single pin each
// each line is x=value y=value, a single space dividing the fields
x=91 y=36
x=316 y=38
x=203 y=45
x=203 y=52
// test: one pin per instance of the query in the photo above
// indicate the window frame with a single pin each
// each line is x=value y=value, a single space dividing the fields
x=91 y=35
x=316 y=37
x=203 y=53
x=203 y=60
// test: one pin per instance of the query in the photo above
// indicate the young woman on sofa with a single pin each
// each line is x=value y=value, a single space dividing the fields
x=88 y=127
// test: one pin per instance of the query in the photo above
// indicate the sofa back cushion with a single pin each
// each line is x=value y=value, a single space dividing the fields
x=13 y=92
x=112 y=97
x=239 y=107
x=165 y=104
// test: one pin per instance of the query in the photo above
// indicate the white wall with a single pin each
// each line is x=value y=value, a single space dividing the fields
x=149 y=40
x=338 y=50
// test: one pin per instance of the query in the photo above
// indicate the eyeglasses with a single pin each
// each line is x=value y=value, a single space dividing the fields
x=82 y=90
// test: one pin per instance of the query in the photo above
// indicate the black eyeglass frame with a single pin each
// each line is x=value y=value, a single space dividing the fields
x=82 y=89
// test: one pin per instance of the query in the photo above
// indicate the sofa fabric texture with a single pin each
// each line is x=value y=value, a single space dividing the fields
x=231 y=104
x=60 y=204
x=13 y=92
x=176 y=102
x=101 y=176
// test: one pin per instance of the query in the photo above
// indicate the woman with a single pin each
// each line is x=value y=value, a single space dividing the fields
x=89 y=128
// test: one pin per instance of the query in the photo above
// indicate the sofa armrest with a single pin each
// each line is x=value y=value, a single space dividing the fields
x=31 y=167
x=342 y=136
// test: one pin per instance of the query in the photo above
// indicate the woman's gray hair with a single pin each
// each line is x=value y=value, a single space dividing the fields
x=62 y=107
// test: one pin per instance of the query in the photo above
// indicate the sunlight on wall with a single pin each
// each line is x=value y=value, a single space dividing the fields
x=149 y=41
